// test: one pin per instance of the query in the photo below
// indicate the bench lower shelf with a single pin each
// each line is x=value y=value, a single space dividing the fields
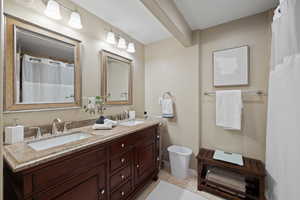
x=253 y=171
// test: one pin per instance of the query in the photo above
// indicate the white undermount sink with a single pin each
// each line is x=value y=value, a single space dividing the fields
x=58 y=140
x=132 y=123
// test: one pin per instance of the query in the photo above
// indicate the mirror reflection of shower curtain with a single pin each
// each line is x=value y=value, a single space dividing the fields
x=46 y=81
x=283 y=127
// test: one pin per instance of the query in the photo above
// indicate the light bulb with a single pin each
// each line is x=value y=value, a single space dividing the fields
x=122 y=43
x=110 y=38
x=53 y=10
x=131 y=47
x=75 y=20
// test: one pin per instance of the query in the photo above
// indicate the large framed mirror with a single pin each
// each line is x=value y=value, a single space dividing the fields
x=42 y=68
x=116 y=79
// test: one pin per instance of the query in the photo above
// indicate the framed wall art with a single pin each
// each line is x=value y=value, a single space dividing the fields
x=231 y=67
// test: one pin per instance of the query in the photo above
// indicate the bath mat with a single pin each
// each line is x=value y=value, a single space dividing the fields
x=167 y=191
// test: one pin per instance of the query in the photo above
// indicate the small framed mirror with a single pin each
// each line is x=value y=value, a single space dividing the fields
x=42 y=68
x=116 y=79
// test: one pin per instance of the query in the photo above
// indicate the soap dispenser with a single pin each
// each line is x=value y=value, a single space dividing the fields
x=146 y=115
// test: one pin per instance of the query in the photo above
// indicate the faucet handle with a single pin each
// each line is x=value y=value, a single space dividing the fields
x=54 y=126
x=38 y=132
x=57 y=120
x=66 y=126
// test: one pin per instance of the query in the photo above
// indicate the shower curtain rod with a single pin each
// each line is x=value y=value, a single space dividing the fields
x=253 y=92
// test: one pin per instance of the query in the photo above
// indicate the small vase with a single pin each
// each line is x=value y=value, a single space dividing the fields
x=100 y=120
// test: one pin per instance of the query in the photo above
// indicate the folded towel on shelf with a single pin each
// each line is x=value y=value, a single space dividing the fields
x=167 y=107
x=239 y=194
x=226 y=178
x=229 y=106
x=227 y=183
x=110 y=122
x=102 y=126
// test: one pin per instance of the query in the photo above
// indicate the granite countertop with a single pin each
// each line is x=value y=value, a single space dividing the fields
x=20 y=156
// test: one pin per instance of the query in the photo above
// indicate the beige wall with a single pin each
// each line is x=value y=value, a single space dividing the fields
x=187 y=73
x=92 y=36
x=172 y=67
x=255 y=32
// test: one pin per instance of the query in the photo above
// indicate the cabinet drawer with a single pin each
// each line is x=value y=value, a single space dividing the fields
x=121 y=161
x=123 y=192
x=59 y=172
x=121 y=146
x=120 y=177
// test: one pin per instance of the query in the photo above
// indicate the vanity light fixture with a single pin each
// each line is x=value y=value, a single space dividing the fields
x=53 y=10
x=110 y=38
x=75 y=20
x=122 y=43
x=131 y=47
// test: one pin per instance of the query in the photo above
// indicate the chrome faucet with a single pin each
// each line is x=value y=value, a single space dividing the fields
x=38 y=132
x=54 y=126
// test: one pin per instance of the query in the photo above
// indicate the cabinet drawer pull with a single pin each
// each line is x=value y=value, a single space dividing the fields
x=102 y=191
x=137 y=166
x=123 y=160
x=158 y=159
x=122 y=177
x=158 y=137
x=123 y=193
x=122 y=145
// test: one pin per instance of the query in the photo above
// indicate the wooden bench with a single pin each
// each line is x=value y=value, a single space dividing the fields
x=253 y=171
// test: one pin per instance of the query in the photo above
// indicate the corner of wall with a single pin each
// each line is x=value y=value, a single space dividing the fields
x=1 y=96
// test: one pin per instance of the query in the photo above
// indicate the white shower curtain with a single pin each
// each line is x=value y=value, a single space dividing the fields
x=46 y=81
x=283 y=128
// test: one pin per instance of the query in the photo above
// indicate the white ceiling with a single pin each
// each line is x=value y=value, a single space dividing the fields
x=129 y=16
x=133 y=18
x=201 y=14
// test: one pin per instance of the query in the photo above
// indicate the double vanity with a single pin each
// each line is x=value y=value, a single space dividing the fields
x=42 y=73
x=84 y=164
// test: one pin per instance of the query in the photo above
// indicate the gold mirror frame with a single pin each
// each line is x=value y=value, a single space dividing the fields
x=104 y=58
x=10 y=104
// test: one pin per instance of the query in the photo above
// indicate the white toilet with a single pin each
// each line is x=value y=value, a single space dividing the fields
x=179 y=160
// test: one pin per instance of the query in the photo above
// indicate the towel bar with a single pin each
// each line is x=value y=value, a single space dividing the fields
x=255 y=92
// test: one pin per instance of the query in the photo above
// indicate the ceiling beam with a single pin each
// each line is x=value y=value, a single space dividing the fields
x=169 y=15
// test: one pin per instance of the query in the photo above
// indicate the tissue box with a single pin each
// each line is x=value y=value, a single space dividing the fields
x=14 y=134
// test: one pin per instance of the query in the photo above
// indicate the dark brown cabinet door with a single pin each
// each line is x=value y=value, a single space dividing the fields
x=145 y=160
x=88 y=186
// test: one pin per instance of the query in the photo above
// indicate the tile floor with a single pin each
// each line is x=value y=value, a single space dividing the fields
x=188 y=184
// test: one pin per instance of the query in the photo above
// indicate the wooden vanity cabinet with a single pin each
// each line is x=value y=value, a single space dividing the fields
x=116 y=170
x=87 y=186
x=145 y=160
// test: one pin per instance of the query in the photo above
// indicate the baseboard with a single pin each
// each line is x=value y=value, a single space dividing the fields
x=192 y=172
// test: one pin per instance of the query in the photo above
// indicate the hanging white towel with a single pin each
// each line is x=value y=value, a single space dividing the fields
x=167 y=107
x=229 y=106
